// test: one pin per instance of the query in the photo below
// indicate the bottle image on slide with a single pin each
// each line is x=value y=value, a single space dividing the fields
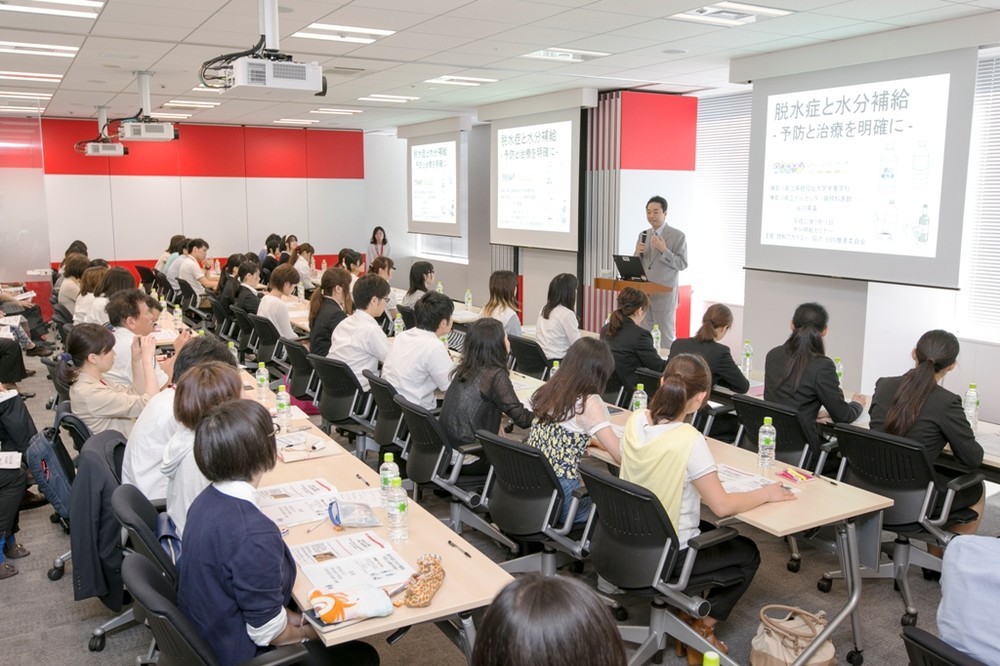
x=887 y=168
x=921 y=165
x=921 y=231
x=887 y=221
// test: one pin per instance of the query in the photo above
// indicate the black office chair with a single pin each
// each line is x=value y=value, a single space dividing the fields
x=246 y=342
x=343 y=404
x=61 y=389
x=269 y=348
x=139 y=517
x=900 y=468
x=225 y=324
x=925 y=649
x=390 y=432
x=61 y=315
x=650 y=380
x=177 y=639
x=164 y=288
x=430 y=460
x=614 y=392
x=146 y=278
x=409 y=318
x=72 y=424
x=792 y=443
x=529 y=359
x=633 y=545
x=302 y=382
x=193 y=315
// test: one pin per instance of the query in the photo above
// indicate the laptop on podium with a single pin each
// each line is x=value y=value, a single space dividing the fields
x=630 y=268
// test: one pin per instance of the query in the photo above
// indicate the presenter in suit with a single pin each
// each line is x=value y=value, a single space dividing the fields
x=663 y=250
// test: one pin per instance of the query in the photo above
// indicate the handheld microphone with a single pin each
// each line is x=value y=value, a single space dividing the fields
x=644 y=236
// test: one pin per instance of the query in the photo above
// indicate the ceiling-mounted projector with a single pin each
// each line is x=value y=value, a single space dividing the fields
x=147 y=131
x=105 y=149
x=252 y=72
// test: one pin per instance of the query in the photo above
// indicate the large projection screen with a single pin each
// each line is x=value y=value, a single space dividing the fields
x=535 y=181
x=859 y=172
x=437 y=188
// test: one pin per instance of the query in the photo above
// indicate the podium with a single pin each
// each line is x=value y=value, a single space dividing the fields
x=647 y=287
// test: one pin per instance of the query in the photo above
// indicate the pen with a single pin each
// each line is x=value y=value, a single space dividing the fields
x=455 y=545
x=297 y=428
x=362 y=480
x=830 y=481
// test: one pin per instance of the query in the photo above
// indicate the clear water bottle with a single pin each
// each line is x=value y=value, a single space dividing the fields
x=398 y=512
x=607 y=320
x=767 y=440
x=398 y=326
x=971 y=406
x=284 y=407
x=234 y=351
x=263 y=379
x=178 y=316
x=746 y=360
x=300 y=291
x=440 y=288
x=388 y=471
x=639 y=398
x=657 y=337
x=554 y=369
x=468 y=299
x=323 y=266
x=838 y=364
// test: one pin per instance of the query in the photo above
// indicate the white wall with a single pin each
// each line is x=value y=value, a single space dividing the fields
x=385 y=202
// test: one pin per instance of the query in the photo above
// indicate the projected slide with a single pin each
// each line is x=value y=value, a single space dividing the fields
x=433 y=191
x=856 y=168
x=534 y=177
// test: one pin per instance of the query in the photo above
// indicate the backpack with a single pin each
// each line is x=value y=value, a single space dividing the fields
x=52 y=469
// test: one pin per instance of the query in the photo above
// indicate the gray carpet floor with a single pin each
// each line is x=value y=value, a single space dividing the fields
x=41 y=623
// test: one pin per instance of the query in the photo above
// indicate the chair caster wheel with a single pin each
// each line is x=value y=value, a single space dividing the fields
x=620 y=613
x=855 y=658
x=908 y=620
x=54 y=518
x=56 y=573
x=96 y=643
x=794 y=565
x=824 y=584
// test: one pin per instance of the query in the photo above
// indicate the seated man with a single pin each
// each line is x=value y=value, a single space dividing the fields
x=129 y=314
x=174 y=269
x=970 y=583
x=418 y=362
x=359 y=341
x=191 y=271
x=271 y=260
x=156 y=424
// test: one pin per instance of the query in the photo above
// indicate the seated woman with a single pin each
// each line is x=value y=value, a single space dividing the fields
x=481 y=391
x=383 y=267
x=662 y=452
x=89 y=284
x=421 y=281
x=198 y=390
x=246 y=295
x=502 y=305
x=569 y=413
x=547 y=619
x=715 y=323
x=69 y=290
x=228 y=280
x=631 y=344
x=329 y=305
x=171 y=253
x=117 y=279
x=352 y=262
x=916 y=406
x=800 y=375
x=301 y=259
x=282 y=282
x=236 y=576
x=288 y=245
x=557 y=327
x=90 y=352
x=16 y=430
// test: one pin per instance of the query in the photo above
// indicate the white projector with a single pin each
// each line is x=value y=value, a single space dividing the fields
x=99 y=149
x=279 y=74
x=145 y=131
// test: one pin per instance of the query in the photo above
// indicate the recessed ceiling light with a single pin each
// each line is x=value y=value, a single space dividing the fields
x=338 y=112
x=675 y=51
x=352 y=29
x=191 y=104
x=169 y=116
x=96 y=4
x=343 y=33
x=26 y=48
x=294 y=121
x=200 y=88
x=23 y=9
x=753 y=9
x=334 y=38
x=565 y=55
x=729 y=14
x=4 y=108
x=395 y=99
x=25 y=95
x=460 y=80
x=30 y=76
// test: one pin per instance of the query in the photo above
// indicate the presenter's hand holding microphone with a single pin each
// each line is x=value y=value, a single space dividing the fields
x=640 y=247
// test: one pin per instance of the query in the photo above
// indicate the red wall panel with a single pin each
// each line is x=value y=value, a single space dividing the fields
x=58 y=137
x=335 y=154
x=275 y=153
x=212 y=150
x=658 y=132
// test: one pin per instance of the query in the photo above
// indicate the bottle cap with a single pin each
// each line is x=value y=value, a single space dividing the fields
x=747 y=341
x=656 y=327
x=555 y=364
x=281 y=388
x=767 y=420
x=710 y=659
x=261 y=364
x=388 y=457
x=972 y=385
x=397 y=482
x=640 y=387
x=836 y=359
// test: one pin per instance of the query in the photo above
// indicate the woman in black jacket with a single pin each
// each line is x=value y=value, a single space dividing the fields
x=329 y=305
x=714 y=325
x=631 y=344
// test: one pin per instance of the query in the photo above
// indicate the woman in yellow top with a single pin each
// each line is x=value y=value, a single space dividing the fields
x=661 y=451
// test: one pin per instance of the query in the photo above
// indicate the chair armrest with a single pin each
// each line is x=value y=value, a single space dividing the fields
x=286 y=654
x=159 y=504
x=712 y=538
x=580 y=492
x=965 y=481
x=830 y=446
x=472 y=449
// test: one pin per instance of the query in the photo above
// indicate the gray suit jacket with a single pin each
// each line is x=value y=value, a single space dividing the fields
x=662 y=267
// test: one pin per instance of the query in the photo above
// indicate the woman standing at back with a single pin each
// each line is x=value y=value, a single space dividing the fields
x=557 y=327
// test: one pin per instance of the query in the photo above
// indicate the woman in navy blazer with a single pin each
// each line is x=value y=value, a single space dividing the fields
x=631 y=344
x=715 y=323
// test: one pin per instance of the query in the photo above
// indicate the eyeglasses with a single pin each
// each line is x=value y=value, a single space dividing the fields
x=385 y=299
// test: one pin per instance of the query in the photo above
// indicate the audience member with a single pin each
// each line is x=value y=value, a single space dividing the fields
x=115 y=280
x=271 y=259
x=418 y=362
x=502 y=305
x=228 y=280
x=329 y=305
x=191 y=271
x=129 y=314
x=383 y=267
x=715 y=323
x=168 y=256
x=557 y=327
x=301 y=260
x=359 y=341
x=631 y=344
x=69 y=290
x=246 y=296
x=90 y=282
x=421 y=281
x=283 y=281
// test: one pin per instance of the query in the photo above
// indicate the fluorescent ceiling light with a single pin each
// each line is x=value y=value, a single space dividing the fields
x=352 y=29
x=96 y=4
x=338 y=112
x=25 y=95
x=200 y=88
x=25 y=48
x=334 y=38
x=753 y=9
x=30 y=76
x=21 y=109
x=191 y=104
x=460 y=80
x=393 y=98
x=565 y=55
x=48 y=12
x=380 y=99
x=294 y=121
x=169 y=116
x=729 y=14
x=343 y=33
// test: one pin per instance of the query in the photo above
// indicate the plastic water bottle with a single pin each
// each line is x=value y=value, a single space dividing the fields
x=178 y=316
x=388 y=471
x=840 y=370
x=639 y=398
x=300 y=291
x=323 y=266
x=398 y=511
x=607 y=320
x=398 y=325
x=767 y=440
x=468 y=299
x=657 y=337
x=554 y=369
x=263 y=379
x=746 y=361
x=440 y=288
x=152 y=292
x=234 y=351
x=971 y=406
x=284 y=407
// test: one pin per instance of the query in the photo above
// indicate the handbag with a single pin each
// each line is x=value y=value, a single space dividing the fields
x=779 y=641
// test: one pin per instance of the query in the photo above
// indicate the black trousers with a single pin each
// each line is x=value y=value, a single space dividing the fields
x=12 y=485
x=741 y=553
x=12 y=368
x=16 y=425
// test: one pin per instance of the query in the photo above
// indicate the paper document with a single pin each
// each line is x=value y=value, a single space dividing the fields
x=738 y=481
x=297 y=513
x=10 y=460
x=369 y=496
x=295 y=491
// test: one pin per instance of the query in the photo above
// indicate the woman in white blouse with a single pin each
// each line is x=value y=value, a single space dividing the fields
x=282 y=282
x=301 y=259
x=557 y=327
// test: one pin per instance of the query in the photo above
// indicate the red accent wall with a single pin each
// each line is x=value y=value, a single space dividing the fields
x=658 y=132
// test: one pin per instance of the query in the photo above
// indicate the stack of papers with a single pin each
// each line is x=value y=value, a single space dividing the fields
x=738 y=481
x=352 y=561
x=296 y=503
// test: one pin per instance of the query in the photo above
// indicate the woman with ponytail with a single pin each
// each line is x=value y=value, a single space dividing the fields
x=799 y=374
x=916 y=406
x=329 y=305
x=631 y=344
x=715 y=323
x=662 y=452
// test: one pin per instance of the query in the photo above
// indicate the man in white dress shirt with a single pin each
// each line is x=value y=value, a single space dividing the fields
x=418 y=362
x=359 y=341
x=128 y=311
x=191 y=270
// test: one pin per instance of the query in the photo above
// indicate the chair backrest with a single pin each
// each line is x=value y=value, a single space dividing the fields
x=189 y=299
x=409 y=318
x=62 y=391
x=267 y=336
x=341 y=393
x=176 y=638
x=892 y=466
x=245 y=340
x=224 y=322
x=389 y=415
x=792 y=441
x=301 y=370
x=925 y=649
x=138 y=516
x=525 y=496
x=430 y=451
x=163 y=286
x=631 y=541
x=61 y=314
x=650 y=380
x=77 y=429
x=529 y=359
x=146 y=277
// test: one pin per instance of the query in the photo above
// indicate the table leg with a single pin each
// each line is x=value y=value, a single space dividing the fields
x=848 y=545
x=461 y=632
